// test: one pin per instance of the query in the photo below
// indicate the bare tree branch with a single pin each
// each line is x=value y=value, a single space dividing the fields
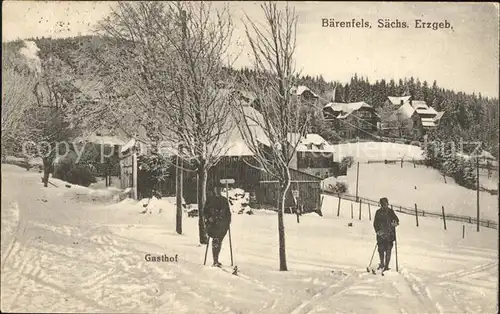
x=269 y=132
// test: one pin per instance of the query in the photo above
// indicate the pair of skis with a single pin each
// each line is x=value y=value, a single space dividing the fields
x=375 y=271
x=234 y=271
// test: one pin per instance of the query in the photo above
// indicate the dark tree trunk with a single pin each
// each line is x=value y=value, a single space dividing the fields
x=202 y=198
x=281 y=226
x=47 y=164
x=179 y=194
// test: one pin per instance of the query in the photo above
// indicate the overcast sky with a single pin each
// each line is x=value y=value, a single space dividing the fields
x=465 y=58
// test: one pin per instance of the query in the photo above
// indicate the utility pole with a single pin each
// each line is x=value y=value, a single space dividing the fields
x=134 y=173
x=477 y=193
x=178 y=191
x=179 y=164
x=357 y=182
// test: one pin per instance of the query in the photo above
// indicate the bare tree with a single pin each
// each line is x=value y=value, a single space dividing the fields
x=60 y=108
x=15 y=102
x=41 y=104
x=270 y=132
x=171 y=61
x=394 y=119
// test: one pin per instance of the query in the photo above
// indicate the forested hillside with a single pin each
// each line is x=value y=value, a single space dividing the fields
x=468 y=116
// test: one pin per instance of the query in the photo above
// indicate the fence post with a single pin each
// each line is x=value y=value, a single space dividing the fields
x=360 y=209
x=423 y=213
x=470 y=220
x=369 y=212
x=338 y=209
x=400 y=209
x=477 y=194
x=444 y=177
x=352 y=213
x=414 y=165
x=463 y=231
x=357 y=181
x=444 y=218
x=401 y=162
x=416 y=213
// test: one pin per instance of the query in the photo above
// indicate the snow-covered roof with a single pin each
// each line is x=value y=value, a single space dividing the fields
x=419 y=104
x=422 y=108
x=103 y=140
x=128 y=145
x=438 y=116
x=403 y=112
x=428 y=122
x=397 y=100
x=347 y=108
x=235 y=144
x=310 y=142
x=487 y=155
x=428 y=111
x=299 y=90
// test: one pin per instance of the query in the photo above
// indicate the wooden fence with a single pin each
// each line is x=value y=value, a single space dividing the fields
x=420 y=212
x=307 y=189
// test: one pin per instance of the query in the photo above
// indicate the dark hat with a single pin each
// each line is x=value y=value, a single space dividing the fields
x=384 y=200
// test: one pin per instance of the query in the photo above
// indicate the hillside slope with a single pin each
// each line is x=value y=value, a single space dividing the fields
x=423 y=186
x=378 y=151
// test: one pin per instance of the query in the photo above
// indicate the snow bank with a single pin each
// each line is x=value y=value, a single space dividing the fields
x=330 y=182
x=158 y=206
x=86 y=194
x=239 y=200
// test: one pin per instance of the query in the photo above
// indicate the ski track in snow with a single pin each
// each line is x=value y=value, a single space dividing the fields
x=315 y=302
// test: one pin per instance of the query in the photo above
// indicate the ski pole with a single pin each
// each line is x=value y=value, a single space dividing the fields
x=206 y=251
x=229 y=206
x=371 y=259
x=396 y=247
x=230 y=246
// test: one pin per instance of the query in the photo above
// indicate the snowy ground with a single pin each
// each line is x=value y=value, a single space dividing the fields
x=67 y=254
x=365 y=151
x=424 y=186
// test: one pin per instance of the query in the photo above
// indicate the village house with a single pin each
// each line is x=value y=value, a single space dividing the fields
x=236 y=161
x=305 y=95
x=352 y=120
x=314 y=155
x=394 y=102
x=411 y=118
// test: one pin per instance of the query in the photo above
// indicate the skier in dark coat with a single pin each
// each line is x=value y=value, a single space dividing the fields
x=385 y=223
x=217 y=220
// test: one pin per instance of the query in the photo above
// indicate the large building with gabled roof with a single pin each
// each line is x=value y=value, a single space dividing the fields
x=352 y=120
x=411 y=118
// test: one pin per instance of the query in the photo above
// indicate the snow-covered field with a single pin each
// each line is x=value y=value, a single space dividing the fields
x=424 y=186
x=368 y=151
x=67 y=254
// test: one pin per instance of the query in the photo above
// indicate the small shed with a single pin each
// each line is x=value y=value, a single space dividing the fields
x=305 y=187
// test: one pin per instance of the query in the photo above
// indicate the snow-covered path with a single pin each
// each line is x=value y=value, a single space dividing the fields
x=59 y=254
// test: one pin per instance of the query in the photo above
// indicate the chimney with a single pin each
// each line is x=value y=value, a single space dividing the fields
x=401 y=102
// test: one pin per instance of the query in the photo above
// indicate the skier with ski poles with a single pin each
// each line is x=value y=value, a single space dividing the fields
x=385 y=223
x=217 y=220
